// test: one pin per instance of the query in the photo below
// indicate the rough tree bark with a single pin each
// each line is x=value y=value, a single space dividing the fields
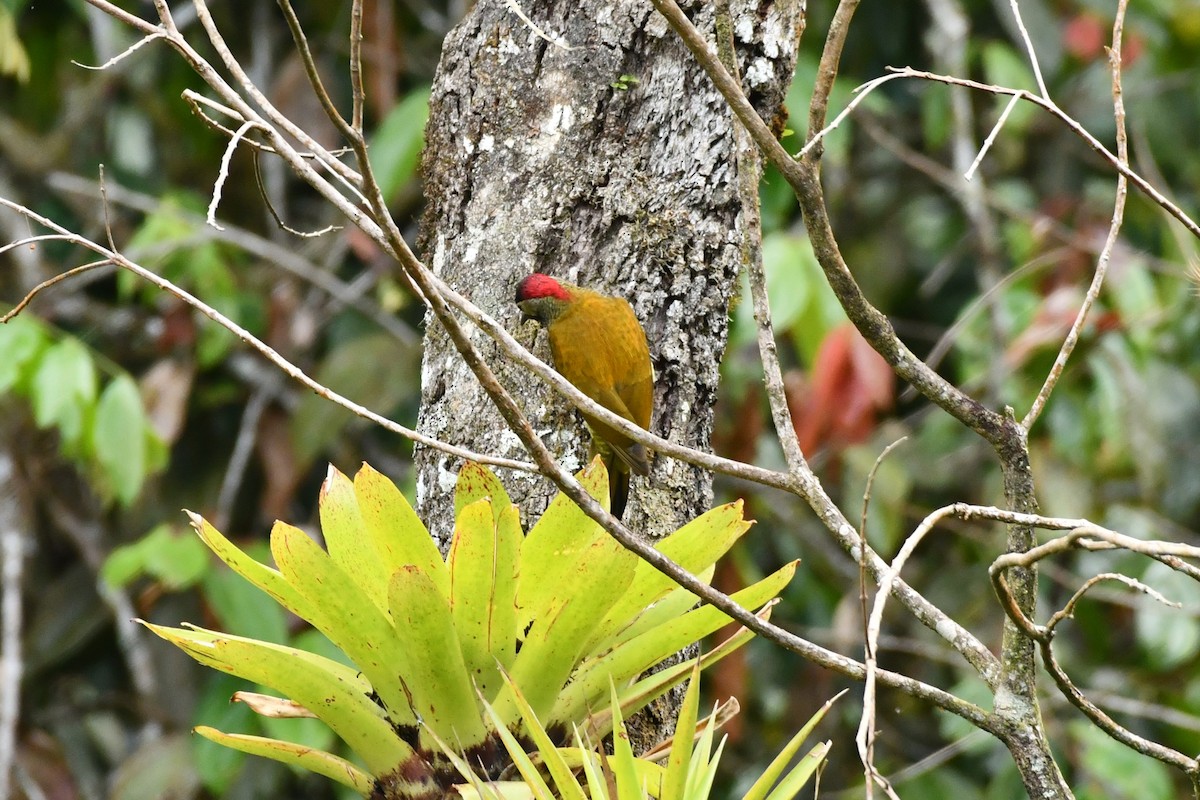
x=609 y=164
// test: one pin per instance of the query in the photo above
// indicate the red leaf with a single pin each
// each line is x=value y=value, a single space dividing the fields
x=849 y=384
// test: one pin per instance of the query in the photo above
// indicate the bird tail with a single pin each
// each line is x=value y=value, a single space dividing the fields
x=618 y=488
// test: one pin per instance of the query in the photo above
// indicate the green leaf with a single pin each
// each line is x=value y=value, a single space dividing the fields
x=64 y=388
x=639 y=654
x=400 y=537
x=588 y=586
x=703 y=766
x=345 y=613
x=553 y=547
x=21 y=340
x=788 y=282
x=695 y=547
x=564 y=779
x=296 y=755
x=432 y=662
x=119 y=428
x=483 y=568
x=475 y=482
x=123 y=565
x=335 y=693
x=343 y=527
x=262 y=576
x=623 y=761
x=521 y=760
x=396 y=146
x=175 y=560
x=799 y=774
x=173 y=557
x=681 y=747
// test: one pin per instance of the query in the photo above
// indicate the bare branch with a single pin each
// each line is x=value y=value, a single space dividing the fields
x=1075 y=127
x=1114 y=228
x=274 y=357
x=1029 y=51
x=145 y=40
x=223 y=173
x=46 y=284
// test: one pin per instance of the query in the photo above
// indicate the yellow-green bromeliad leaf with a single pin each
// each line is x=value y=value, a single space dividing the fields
x=483 y=559
x=401 y=539
x=295 y=755
x=335 y=693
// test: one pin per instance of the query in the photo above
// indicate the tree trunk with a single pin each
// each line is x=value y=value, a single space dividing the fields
x=609 y=164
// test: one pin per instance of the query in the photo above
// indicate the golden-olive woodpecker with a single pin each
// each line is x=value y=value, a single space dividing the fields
x=599 y=346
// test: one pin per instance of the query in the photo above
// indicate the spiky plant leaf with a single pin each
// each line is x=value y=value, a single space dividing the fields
x=681 y=750
x=295 y=755
x=560 y=771
x=695 y=547
x=521 y=759
x=475 y=482
x=553 y=646
x=624 y=764
x=644 y=651
x=400 y=537
x=332 y=691
x=432 y=665
x=341 y=609
x=703 y=768
x=554 y=545
x=656 y=684
x=798 y=776
x=760 y=788
x=342 y=526
x=597 y=787
x=483 y=561
x=262 y=576
x=674 y=604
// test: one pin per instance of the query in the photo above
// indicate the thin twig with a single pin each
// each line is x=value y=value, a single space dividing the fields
x=1075 y=127
x=1029 y=51
x=145 y=40
x=243 y=446
x=310 y=67
x=1114 y=229
x=272 y=254
x=356 y=72
x=274 y=357
x=223 y=172
x=866 y=744
x=46 y=284
x=991 y=137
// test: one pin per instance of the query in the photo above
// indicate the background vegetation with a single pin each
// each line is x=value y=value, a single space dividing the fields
x=118 y=406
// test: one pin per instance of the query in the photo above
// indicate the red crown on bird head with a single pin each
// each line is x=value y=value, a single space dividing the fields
x=538 y=285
